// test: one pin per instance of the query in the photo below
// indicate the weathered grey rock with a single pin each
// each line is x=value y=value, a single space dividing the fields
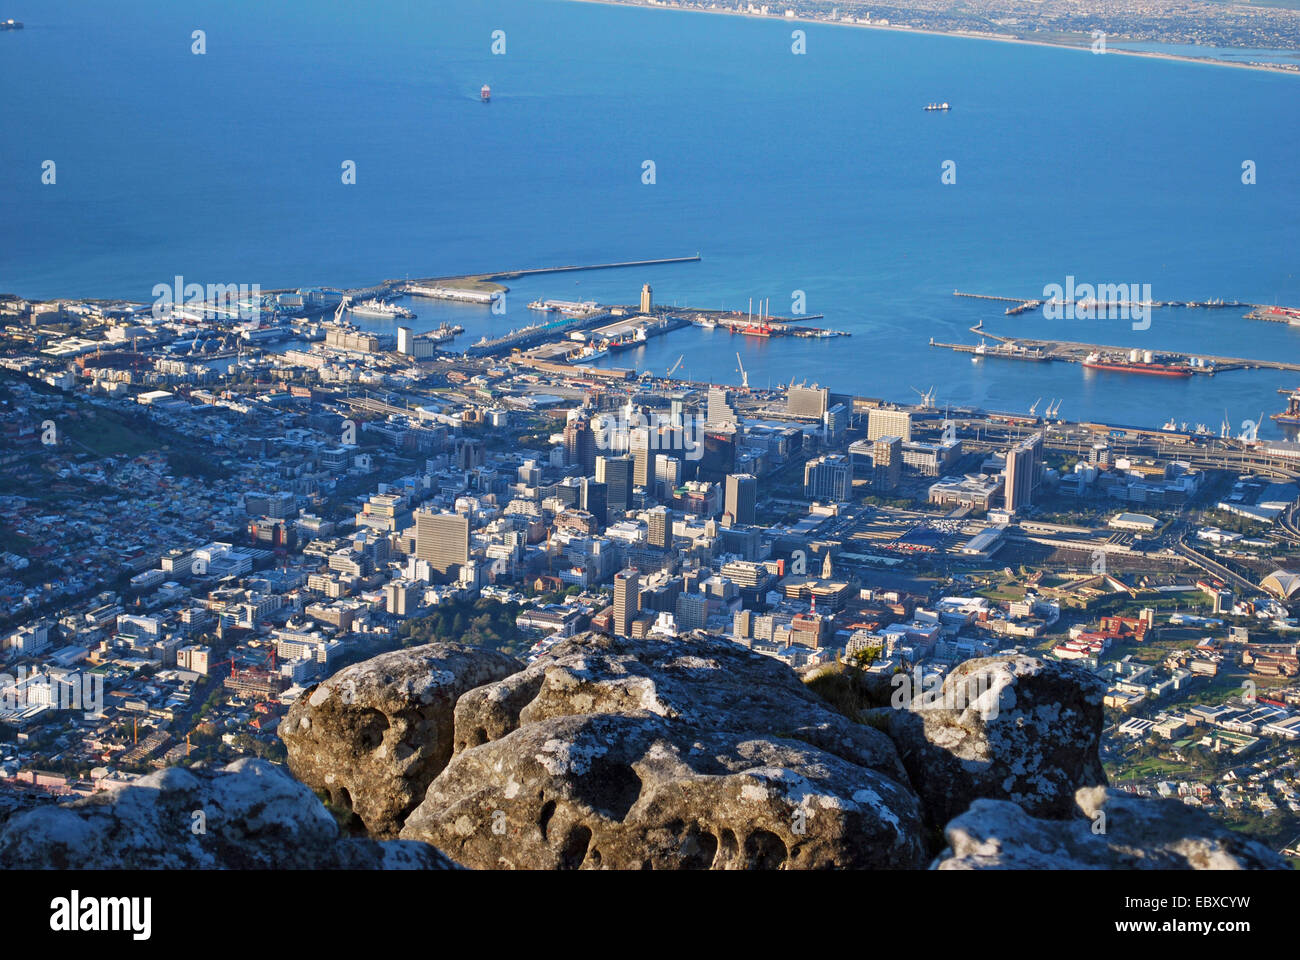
x=376 y=733
x=248 y=815
x=690 y=752
x=1015 y=728
x=697 y=682
x=1139 y=834
x=622 y=791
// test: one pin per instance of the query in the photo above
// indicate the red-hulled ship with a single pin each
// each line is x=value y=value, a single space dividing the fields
x=485 y=94
x=1137 y=363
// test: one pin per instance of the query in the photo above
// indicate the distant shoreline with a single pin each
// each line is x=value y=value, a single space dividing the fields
x=968 y=35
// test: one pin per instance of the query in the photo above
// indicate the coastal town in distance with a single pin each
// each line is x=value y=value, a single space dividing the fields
x=540 y=436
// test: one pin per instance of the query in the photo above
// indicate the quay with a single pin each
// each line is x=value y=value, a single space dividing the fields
x=1024 y=304
x=1027 y=348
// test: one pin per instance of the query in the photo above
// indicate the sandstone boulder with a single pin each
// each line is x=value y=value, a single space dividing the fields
x=1110 y=830
x=697 y=682
x=638 y=791
x=665 y=753
x=1017 y=728
x=249 y=815
x=376 y=733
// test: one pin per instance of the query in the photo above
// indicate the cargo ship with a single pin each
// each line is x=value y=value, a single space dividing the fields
x=1137 y=362
x=11 y=24
x=378 y=308
x=485 y=94
x=1291 y=415
x=937 y=106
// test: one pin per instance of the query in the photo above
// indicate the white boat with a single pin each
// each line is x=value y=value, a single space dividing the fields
x=588 y=356
x=378 y=308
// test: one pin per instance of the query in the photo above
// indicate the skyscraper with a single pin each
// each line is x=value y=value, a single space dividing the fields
x=594 y=500
x=616 y=474
x=442 y=539
x=668 y=476
x=1023 y=472
x=887 y=462
x=580 y=445
x=741 y=497
x=660 y=527
x=639 y=448
x=720 y=412
x=627 y=600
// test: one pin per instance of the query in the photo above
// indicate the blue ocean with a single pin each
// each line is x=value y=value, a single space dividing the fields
x=816 y=172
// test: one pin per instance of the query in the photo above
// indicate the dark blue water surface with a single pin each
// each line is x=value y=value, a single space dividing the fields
x=818 y=173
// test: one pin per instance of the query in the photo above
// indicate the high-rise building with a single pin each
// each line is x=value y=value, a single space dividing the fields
x=719 y=457
x=469 y=454
x=836 y=419
x=691 y=611
x=741 y=498
x=1023 y=473
x=889 y=423
x=616 y=474
x=442 y=539
x=401 y=597
x=720 y=412
x=810 y=402
x=668 y=476
x=829 y=477
x=580 y=445
x=660 y=527
x=887 y=462
x=627 y=600
x=594 y=500
x=639 y=448
x=647 y=299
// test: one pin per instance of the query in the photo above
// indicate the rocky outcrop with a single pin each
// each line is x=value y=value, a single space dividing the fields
x=376 y=733
x=1109 y=830
x=250 y=815
x=693 y=752
x=696 y=753
x=1016 y=728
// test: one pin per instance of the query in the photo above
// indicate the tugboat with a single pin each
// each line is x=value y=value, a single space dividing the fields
x=485 y=94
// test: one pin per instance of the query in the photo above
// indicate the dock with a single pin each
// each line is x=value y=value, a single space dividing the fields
x=1070 y=351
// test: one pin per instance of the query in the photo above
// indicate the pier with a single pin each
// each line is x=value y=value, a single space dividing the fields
x=539 y=271
x=1070 y=351
x=1092 y=303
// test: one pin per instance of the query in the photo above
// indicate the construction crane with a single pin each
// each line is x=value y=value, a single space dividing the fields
x=744 y=376
x=673 y=368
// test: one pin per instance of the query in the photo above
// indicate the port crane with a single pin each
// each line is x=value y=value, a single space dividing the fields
x=673 y=368
x=1033 y=409
x=744 y=375
x=927 y=398
x=1052 y=407
x=343 y=305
